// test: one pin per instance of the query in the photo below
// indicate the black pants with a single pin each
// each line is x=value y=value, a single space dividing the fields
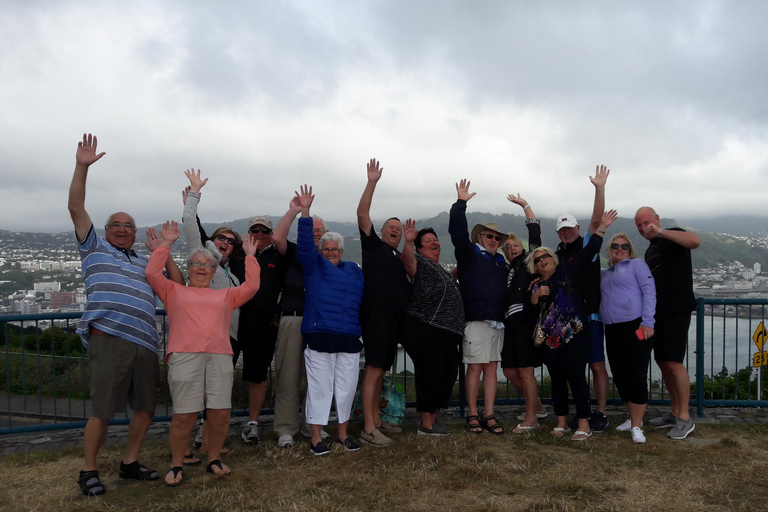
x=629 y=358
x=568 y=366
x=435 y=356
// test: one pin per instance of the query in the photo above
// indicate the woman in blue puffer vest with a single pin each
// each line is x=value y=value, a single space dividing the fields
x=330 y=328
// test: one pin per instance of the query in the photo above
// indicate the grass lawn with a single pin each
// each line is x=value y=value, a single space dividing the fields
x=719 y=467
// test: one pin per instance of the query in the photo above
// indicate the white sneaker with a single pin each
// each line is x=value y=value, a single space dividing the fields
x=286 y=441
x=638 y=436
x=626 y=426
x=198 y=442
x=251 y=433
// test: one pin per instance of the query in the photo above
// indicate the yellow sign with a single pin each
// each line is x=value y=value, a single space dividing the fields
x=761 y=334
x=760 y=359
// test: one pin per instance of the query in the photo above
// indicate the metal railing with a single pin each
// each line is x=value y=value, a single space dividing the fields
x=44 y=376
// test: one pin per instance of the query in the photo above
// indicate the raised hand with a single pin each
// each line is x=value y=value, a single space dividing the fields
x=462 y=189
x=608 y=218
x=601 y=176
x=374 y=173
x=249 y=245
x=517 y=200
x=86 y=151
x=305 y=197
x=295 y=204
x=410 y=231
x=153 y=239
x=170 y=232
x=196 y=183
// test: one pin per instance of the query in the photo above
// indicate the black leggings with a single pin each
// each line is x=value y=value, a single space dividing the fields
x=568 y=366
x=629 y=359
x=435 y=356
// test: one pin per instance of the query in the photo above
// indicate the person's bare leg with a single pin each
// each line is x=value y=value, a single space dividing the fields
x=371 y=391
x=531 y=394
x=600 y=382
x=218 y=425
x=636 y=413
x=668 y=377
x=342 y=431
x=680 y=381
x=178 y=438
x=427 y=420
x=137 y=431
x=93 y=438
x=257 y=393
x=472 y=386
x=316 y=438
x=490 y=382
x=513 y=376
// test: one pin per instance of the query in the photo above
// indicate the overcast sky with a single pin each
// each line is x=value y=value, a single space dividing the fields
x=262 y=96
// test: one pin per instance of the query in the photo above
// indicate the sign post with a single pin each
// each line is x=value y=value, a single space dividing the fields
x=760 y=358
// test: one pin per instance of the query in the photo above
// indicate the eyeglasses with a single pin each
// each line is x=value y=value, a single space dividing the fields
x=538 y=259
x=491 y=236
x=320 y=231
x=623 y=247
x=224 y=238
x=198 y=264
x=256 y=231
x=118 y=225
x=335 y=249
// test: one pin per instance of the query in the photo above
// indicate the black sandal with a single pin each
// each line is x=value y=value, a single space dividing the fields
x=176 y=470
x=90 y=484
x=136 y=471
x=476 y=428
x=496 y=429
x=217 y=463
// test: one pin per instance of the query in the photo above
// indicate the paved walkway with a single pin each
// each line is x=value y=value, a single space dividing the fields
x=57 y=439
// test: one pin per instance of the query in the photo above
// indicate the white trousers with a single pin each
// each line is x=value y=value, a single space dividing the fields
x=329 y=376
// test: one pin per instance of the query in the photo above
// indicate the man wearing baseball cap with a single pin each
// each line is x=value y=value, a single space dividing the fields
x=571 y=243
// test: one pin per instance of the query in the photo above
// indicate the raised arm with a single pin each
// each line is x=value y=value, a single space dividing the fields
x=683 y=238
x=280 y=234
x=409 y=249
x=191 y=196
x=85 y=156
x=532 y=223
x=364 y=207
x=601 y=176
x=522 y=203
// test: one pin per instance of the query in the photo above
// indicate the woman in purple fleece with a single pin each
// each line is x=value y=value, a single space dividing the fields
x=627 y=306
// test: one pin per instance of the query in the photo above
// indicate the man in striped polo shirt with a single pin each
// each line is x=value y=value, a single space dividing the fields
x=118 y=328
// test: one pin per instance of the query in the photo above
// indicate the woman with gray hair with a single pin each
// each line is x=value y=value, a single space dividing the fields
x=330 y=328
x=199 y=354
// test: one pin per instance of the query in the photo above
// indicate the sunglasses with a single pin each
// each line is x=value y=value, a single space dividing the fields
x=491 y=236
x=224 y=238
x=256 y=231
x=623 y=247
x=538 y=259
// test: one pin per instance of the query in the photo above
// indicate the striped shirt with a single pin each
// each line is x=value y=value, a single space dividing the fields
x=435 y=297
x=120 y=300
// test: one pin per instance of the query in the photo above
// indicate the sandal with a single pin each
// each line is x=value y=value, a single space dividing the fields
x=476 y=428
x=217 y=463
x=580 y=435
x=522 y=429
x=496 y=428
x=176 y=470
x=90 y=484
x=560 y=431
x=136 y=471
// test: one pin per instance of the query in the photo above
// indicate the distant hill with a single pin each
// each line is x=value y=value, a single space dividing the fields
x=739 y=225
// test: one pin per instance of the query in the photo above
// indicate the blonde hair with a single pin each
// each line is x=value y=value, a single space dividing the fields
x=529 y=259
x=613 y=238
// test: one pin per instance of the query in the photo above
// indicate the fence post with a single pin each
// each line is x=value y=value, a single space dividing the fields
x=700 y=357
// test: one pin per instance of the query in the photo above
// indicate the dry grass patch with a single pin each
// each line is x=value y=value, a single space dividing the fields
x=719 y=468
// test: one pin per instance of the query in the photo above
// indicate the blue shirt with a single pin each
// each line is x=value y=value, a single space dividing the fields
x=120 y=300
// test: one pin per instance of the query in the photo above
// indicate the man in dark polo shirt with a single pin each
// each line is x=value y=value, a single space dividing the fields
x=387 y=291
x=259 y=319
x=118 y=328
x=669 y=258
x=289 y=350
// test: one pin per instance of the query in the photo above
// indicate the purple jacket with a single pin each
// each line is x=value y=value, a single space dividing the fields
x=627 y=292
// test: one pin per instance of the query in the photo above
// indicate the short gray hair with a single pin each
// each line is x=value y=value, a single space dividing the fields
x=332 y=236
x=205 y=252
x=325 y=224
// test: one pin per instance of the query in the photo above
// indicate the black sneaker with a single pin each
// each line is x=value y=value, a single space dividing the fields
x=349 y=445
x=598 y=422
x=319 y=448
